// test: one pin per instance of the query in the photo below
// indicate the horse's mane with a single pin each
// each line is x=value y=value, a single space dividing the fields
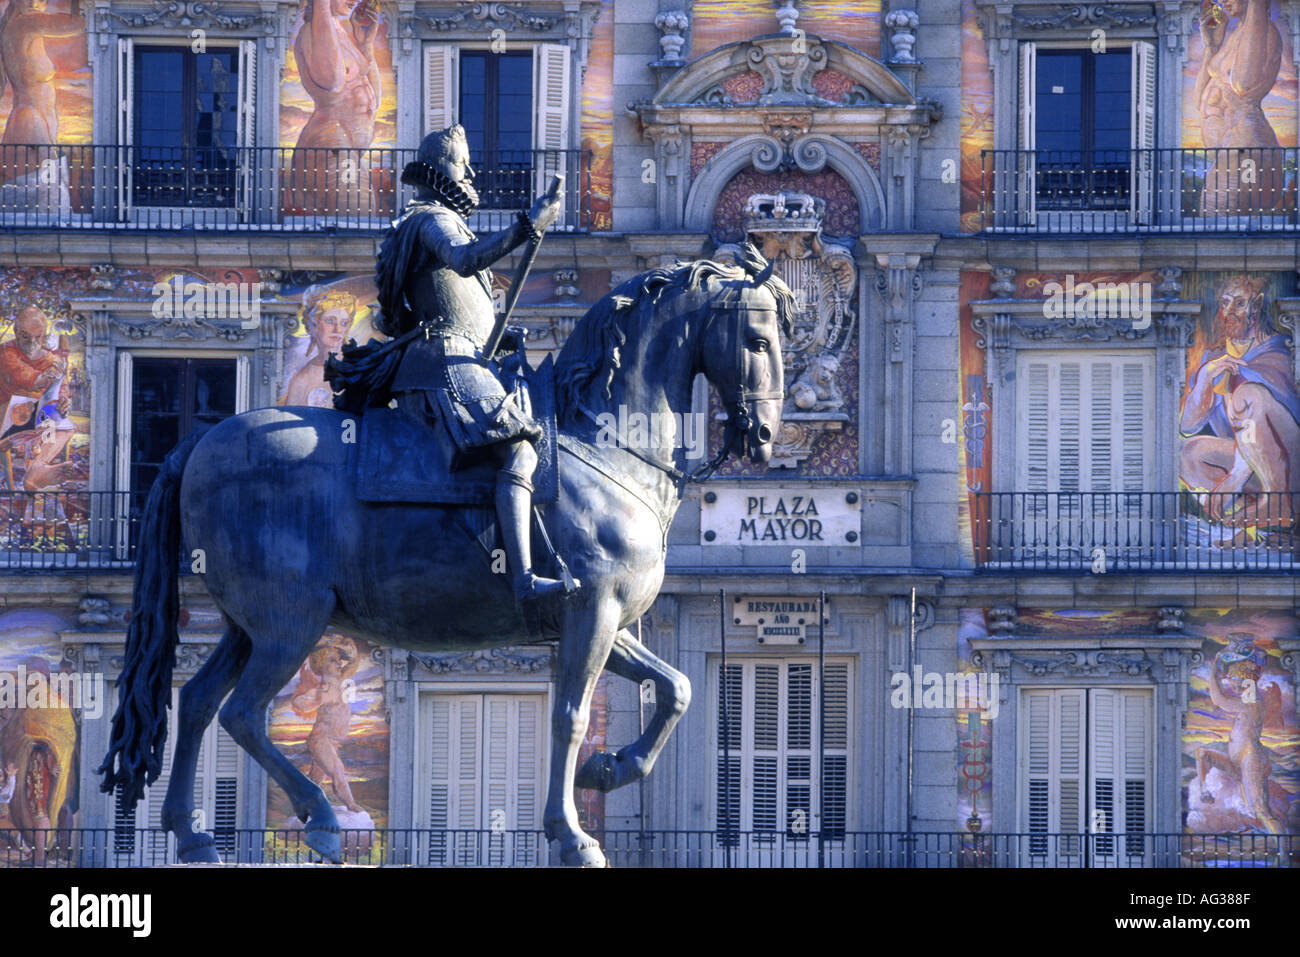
x=592 y=353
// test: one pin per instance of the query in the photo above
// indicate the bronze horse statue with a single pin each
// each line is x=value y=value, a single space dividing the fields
x=289 y=549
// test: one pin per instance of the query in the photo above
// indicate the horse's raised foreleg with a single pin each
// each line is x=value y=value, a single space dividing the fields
x=585 y=642
x=605 y=771
x=200 y=698
x=276 y=658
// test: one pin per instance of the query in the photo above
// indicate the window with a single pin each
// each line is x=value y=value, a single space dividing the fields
x=767 y=783
x=1087 y=129
x=1083 y=455
x=1086 y=768
x=482 y=767
x=169 y=398
x=187 y=118
x=216 y=799
x=515 y=110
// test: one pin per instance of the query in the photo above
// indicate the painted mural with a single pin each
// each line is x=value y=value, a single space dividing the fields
x=329 y=314
x=39 y=738
x=598 y=119
x=718 y=22
x=976 y=116
x=44 y=411
x=338 y=92
x=331 y=722
x=1239 y=94
x=1240 y=742
x=1239 y=416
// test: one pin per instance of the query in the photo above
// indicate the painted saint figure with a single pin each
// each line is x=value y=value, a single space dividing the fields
x=1247 y=761
x=28 y=71
x=334 y=50
x=1241 y=415
x=324 y=691
x=1237 y=72
x=34 y=398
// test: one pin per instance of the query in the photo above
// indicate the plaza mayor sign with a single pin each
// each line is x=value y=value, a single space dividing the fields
x=781 y=515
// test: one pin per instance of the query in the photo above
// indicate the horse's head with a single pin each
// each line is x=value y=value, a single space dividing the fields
x=740 y=353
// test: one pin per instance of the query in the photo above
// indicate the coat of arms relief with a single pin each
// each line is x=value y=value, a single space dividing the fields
x=787 y=229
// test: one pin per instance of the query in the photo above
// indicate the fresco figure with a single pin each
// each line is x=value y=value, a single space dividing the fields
x=9 y=834
x=1247 y=761
x=1238 y=70
x=334 y=49
x=327 y=317
x=1241 y=416
x=34 y=404
x=324 y=691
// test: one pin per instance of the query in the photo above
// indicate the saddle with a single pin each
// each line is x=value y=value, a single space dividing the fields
x=402 y=456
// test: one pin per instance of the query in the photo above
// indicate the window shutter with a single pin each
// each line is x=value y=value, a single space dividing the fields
x=1143 y=131
x=1121 y=769
x=125 y=123
x=1027 y=133
x=440 y=86
x=799 y=750
x=729 y=762
x=246 y=134
x=767 y=743
x=1052 y=742
x=551 y=116
x=835 y=760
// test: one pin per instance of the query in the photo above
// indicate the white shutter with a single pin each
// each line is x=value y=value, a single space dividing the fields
x=1143 y=132
x=122 y=456
x=441 y=76
x=125 y=124
x=246 y=135
x=732 y=685
x=1026 y=165
x=1117 y=773
x=551 y=102
x=1121 y=771
x=243 y=384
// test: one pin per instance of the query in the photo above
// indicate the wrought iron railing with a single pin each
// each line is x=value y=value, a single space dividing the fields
x=69 y=530
x=399 y=847
x=1151 y=190
x=1096 y=532
x=259 y=189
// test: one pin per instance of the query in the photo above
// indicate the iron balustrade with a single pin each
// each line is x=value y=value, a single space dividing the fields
x=413 y=847
x=260 y=189
x=1082 y=532
x=69 y=530
x=1249 y=189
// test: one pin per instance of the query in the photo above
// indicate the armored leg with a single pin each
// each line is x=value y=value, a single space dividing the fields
x=514 y=502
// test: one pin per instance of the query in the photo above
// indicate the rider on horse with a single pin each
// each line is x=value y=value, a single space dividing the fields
x=433 y=271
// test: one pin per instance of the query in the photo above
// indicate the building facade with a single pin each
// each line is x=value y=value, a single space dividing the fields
x=1017 y=587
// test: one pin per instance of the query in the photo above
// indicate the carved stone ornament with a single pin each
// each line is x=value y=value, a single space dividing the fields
x=1073 y=15
x=178 y=13
x=787 y=228
x=672 y=25
x=490 y=16
x=903 y=23
x=493 y=661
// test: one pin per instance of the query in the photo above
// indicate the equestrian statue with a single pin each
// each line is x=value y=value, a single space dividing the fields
x=390 y=538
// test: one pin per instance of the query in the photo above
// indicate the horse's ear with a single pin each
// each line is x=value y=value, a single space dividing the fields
x=766 y=274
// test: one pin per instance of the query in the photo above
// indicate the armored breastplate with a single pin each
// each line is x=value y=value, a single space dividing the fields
x=453 y=303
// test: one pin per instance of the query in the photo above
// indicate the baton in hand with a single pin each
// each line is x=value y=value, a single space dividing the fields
x=517 y=285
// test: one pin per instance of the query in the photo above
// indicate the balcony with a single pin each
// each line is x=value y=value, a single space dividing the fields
x=72 y=531
x=1154 y=191
x=409 y=847
x=259 y=189
x=1082 y=532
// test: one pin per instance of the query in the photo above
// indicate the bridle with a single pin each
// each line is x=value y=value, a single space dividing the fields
x=742 y=420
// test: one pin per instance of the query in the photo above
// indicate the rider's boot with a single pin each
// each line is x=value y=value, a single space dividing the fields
x=514 y=501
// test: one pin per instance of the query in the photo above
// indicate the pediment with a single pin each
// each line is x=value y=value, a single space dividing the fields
x=787 y=68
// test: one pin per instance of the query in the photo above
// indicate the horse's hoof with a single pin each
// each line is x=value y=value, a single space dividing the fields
x=584 y=855
x=198 y=849
x=597 y=773
x=324 y=842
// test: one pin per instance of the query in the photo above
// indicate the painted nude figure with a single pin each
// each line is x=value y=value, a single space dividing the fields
x=27 y=70
x=324 y=690
x=1237 y=72
x=334 y=50
x=1241 y=416
x=1247 y=761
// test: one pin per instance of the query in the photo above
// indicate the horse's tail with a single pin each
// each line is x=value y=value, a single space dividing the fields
x=139 y=733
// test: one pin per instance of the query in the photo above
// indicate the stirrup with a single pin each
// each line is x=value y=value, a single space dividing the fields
x=530 y=587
